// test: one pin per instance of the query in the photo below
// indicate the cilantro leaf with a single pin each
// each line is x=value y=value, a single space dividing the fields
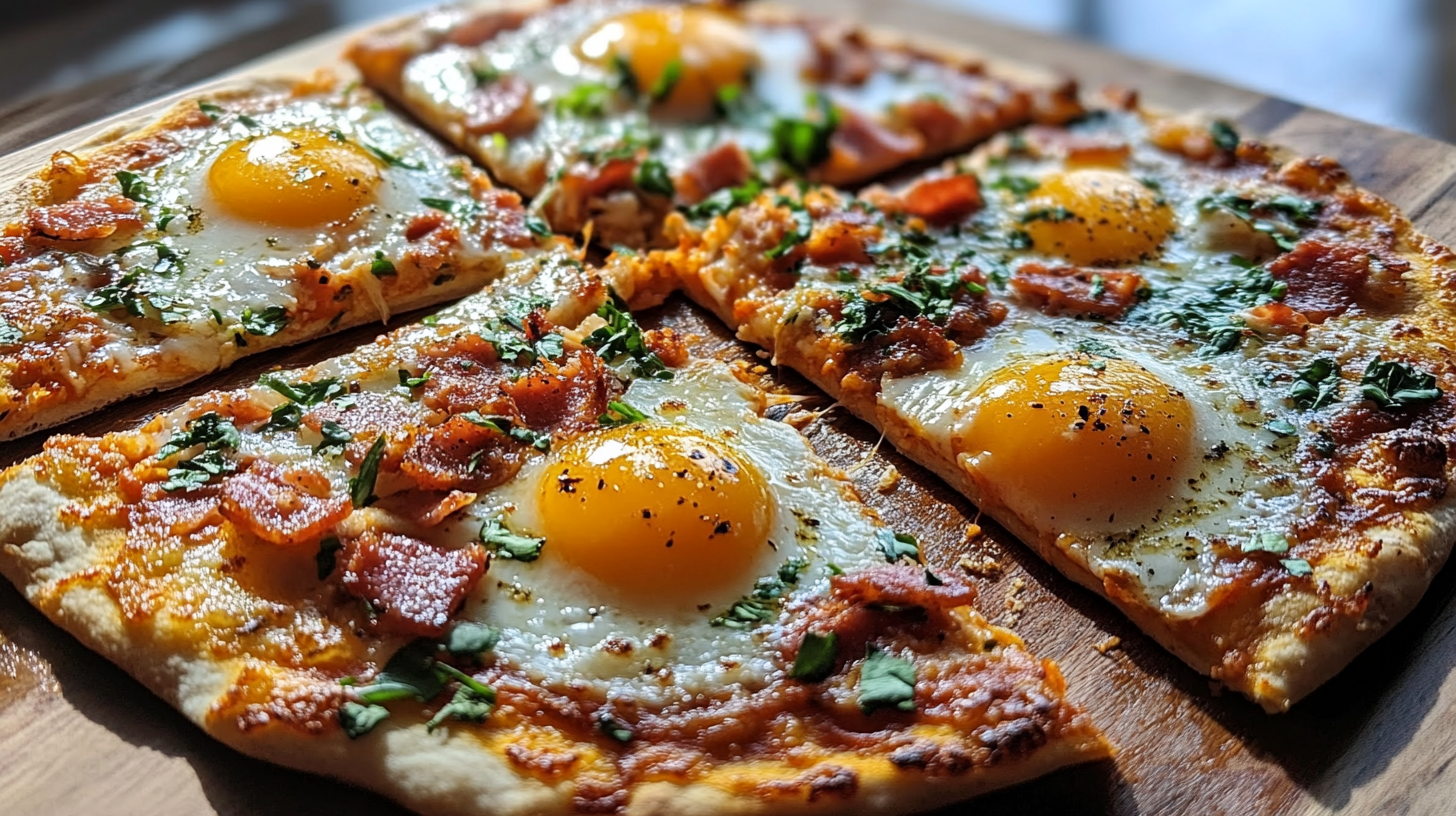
x=411 y=382
x=815 y=659
x=493 y=534
x=216 y=435
x=1318 y=384
x=1286 y=214
x=361 y=487
x=651 y=176
x=896 y=546
x=213 y=112
x=586 y=101
x=762 y=604
x=1394 y=385
x=1018 y=186
x=803 y=144
x=885 y=681
x=473 y=700
x=358 y=719
x=1297 y=566
x=671 y=75
x=538 y=226
x=306 y=393
x=409 y=673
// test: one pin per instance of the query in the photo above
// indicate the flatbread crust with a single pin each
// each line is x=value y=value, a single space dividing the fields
x=62 y=358
x=1275 y=646
x=63 y=543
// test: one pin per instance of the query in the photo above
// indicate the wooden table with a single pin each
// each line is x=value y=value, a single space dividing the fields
x=77 y=736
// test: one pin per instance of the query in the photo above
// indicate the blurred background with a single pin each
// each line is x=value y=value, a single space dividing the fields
x=1392 y=62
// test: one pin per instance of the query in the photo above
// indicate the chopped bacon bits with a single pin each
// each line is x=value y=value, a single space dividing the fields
x=415 y=586
x=668 y=345
x=566 y=396
x=282 y=506
x=83 y=220
x=461 y=454
x=1327 y=279
x=1274 y=319
x=862 y=147
x=943 y=201
x=1078 y=291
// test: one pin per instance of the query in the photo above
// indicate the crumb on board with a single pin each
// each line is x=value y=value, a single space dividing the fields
x=1112 y=642
x=888 y=480
x=1014 y=605
x=761 y=354
x=982 y=566
x=973 y=532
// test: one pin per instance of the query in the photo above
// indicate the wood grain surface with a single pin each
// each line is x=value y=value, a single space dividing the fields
x=77 y=736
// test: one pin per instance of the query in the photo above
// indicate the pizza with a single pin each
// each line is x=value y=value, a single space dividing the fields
x=613 y=112
x=1205 y=378
x=526 y=557
x=235 y=223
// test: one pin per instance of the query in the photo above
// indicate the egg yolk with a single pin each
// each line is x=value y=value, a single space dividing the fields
x=296 y=178
x=706 y=48
x=663 y=514
x=1088 y=443
x=1097 y=216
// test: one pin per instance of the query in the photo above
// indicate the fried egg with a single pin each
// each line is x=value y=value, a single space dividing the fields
x=283 y=210
x=654 y=529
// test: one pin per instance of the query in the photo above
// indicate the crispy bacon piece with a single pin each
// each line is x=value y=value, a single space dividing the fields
x=370 y=416
x=902 y=585
x=726 y=165
x=567 y=396
x=935 y=123
x=943 y=201
x=83 y=220
x=505 y=106
x=1328 y=279
x=461 y=454
x=424 y=224
x=1275 y=319
x=668 y=345
x=428 y=510
x=485 y=27
x=282 y=506
x=414 y=585
x=862 y=147
x=12 y=249
x=1074 y=290
x=505 y=219
x=841 y=54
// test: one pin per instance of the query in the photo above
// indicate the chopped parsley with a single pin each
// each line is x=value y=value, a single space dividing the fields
x=212 y=111
x=619 y=414
x=1297 y=566
x=473 y=700
x=623 y=338
x=803 y=144
x=762 y=604
x=1209 y=313
x=327 y=558
x=1394 y=385
x=803 y=227
x=463 y=210
x=725 y=200
x=495 y=535
x=538 y=226
x=415 y=673
x=1054 y=215
x=614 y=728
x=133 y=187
x=381 y=266
x=1018 y=186
x=505 y=425
x=586 y=101
x=10 y=334
x=358 y=719
x=885 y=681
x=335 y=438
x=921 y=292
x=470 y=639
x=815 y=659
x=390 y=159
x=1318 y=385
x=1281 y=217
x=671 y=75
x=1224 y=135
x=216 y=435
x=651 y=176
x=898 y=546
x=1277 y=543
x=412 y=382
x=361 y=487
x=265 y=323
x=1281 y=427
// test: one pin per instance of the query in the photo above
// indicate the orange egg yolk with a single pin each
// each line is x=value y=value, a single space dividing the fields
x=1097 y=216
x=708 y=49
x=296 y=178
x=1089 y=443
x=662 y=514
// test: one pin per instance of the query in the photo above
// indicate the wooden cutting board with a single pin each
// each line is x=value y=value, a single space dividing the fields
x=77 y=736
